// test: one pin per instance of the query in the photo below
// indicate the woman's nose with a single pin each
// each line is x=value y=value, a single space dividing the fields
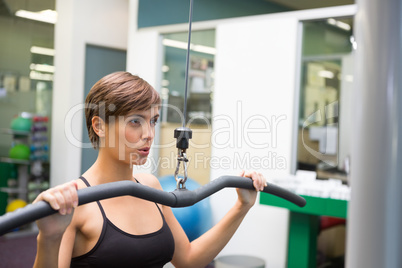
x=147 y=132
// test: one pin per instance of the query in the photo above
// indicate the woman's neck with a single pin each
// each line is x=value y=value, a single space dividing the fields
x=107 y=169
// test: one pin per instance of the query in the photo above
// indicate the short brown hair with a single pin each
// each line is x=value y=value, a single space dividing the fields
x=117 y=94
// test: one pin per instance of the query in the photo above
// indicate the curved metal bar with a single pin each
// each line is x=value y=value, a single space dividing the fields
x=177 y=198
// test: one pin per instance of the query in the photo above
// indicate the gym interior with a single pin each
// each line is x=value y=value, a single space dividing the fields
x=308 y=93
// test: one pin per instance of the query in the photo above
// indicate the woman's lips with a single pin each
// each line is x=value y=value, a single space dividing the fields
x=144 y=151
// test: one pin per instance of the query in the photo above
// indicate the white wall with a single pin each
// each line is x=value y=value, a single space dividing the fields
x=96 y=22
x=255 y=80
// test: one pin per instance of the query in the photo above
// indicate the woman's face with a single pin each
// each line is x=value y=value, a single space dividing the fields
x=129 y=138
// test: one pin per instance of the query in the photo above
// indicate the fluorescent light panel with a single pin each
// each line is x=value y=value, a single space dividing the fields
x=42 y=68
x=326 y=74
x=34 y=75
x=42 y=51
x=193 y=47
x=47 y=16
x=204 y=49
x=339 y=24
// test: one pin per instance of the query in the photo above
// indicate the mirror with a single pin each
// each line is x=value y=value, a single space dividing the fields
x=326 y=83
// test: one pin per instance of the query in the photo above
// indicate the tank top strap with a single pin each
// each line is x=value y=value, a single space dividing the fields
x=85 y=181
x=160 y=211
x=99 y=204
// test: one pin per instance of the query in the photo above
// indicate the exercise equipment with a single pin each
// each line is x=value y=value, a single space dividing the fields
x=21 y=124
x=15 y=204
x=20 y=151
x=180 y=197
x=184 y=134
x=195 y=220
x=40 y=119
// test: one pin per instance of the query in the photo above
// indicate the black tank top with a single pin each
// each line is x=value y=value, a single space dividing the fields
x=116 y=248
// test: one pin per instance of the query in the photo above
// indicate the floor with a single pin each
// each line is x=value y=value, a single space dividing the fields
x=18 y=250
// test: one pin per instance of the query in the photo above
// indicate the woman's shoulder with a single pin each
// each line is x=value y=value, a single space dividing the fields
x=80 y=183
x=148 y=180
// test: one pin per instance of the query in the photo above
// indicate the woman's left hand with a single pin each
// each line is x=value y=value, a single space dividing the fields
x=248 y=197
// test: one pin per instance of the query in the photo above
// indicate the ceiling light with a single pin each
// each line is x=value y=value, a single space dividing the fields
x=326 y=74
x=42 y=68
x=331 y=21
x=40 y=76
x=43 y=51
x=343 y=25
x=48 y=16
x=174 y=43
x=204 y=49
x=193 y=47
x=339 y=24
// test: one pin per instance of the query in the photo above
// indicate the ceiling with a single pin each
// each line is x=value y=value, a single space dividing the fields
x=308 y=4
x=37 y=5
x=9 y=7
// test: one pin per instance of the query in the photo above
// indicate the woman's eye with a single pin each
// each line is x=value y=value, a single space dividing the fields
x=154 y=122
x=140 y=121
x=136 y=121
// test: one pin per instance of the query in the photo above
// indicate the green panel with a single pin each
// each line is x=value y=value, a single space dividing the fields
x=5 y=171
x=303 y=230
x=314 y=206
x=304 y=225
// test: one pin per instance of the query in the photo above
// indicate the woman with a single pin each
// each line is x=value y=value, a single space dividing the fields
x=121 y=113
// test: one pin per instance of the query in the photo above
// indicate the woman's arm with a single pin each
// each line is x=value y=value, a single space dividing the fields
x=52 y=228
x=47 y=251
x=200 y=252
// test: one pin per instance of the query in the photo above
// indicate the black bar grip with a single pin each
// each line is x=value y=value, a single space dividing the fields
x=177 y=198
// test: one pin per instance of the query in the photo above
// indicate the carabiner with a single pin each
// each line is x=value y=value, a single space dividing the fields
x=181 y=158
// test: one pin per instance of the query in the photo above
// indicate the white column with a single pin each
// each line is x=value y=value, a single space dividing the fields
x=144 y=58
x=375 y=213
x=96 y=22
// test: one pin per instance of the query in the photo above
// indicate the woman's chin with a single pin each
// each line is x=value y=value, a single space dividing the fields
x=139 y=162
x=137 y=159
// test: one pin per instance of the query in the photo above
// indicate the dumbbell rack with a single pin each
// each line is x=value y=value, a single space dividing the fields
x=37 y=140
x=22 y=166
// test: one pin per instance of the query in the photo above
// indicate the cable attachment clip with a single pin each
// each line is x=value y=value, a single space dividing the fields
x=181 y=158
x=182 y=135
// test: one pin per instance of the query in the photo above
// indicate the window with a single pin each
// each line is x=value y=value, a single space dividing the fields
x=199 y=103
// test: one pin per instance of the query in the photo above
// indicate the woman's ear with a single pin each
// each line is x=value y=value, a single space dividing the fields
x=98 y=125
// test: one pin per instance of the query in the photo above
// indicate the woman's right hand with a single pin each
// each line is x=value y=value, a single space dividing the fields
x=63 y=198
